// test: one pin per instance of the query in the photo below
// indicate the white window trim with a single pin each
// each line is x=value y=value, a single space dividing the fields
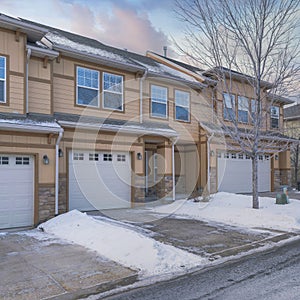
x=91 y=88
x=155 y=101
x=4 y=80
x=113 y=92
x=188 y=106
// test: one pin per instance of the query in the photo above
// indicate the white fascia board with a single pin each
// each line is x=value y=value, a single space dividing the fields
x=40 y=52
x=30 y=128
x=117 y=128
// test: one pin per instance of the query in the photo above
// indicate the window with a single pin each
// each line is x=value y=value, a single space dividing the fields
x=274 y=117
x=182 y=106
x=158 y=101
x=22 y=160
x=243 y=109
x=260 y=157
x=4 y=160
x=121 y=157
x=2 y=79
x=229 y=107
x=233 y=155
x=93 y=156
x=78 y=156
x=113 y=91
x=107 y=157
x=87 y=87
x=241 y=156
x=253 y=110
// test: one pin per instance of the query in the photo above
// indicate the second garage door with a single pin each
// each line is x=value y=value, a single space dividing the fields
x=235 y=173
x=99 y=180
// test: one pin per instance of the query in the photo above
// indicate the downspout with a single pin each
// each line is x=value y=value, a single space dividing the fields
x=26 y=80
x=141 y=94
x=173 y=168
x=57 y=169
x=208 y=162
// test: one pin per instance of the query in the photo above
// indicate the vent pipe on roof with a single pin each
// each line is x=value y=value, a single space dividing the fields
x=165 y=51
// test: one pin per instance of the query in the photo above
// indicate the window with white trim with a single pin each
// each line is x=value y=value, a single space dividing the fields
x=87 y=90
x=93 y=156
x=229 y=107
x=274 y=117
x=159 y=101
x=243 y=109
x=182 y=106
x=22 y=160
x=2 y=79
x=113 y=91
x=121 y=157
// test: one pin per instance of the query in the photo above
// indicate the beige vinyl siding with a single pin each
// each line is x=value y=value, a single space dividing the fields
x=14 y=49
x=39 y=97
x=24 y=143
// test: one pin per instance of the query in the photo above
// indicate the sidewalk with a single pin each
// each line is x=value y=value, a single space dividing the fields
x=50 y=269
x=35 y=265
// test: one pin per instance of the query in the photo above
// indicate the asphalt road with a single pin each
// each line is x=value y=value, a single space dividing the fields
x=271 y=275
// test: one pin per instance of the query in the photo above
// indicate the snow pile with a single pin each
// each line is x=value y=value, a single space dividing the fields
x=120 y=244
x=233 y=209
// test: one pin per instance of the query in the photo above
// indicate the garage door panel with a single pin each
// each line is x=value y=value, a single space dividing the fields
x=99 y=184
x=17 y=192
x=235 y=175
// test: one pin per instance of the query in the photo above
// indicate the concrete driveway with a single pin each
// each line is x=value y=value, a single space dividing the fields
x=33 y=265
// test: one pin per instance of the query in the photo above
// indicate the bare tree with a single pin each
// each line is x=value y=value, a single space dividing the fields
x=254 y=37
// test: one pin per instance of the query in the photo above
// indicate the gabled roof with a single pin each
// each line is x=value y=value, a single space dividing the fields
x=92 y=50
x=292 y=112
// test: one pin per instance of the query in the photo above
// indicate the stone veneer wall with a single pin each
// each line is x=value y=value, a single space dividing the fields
x=46 y=195
x=277 y=180
x=62 y=194
x=165 y=186
x=285 y=177
x=213 y=180
x=139 y=190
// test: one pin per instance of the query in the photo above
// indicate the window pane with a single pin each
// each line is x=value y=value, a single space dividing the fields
x=87 y=96
x=243 y=116
x=113 y=82
x=159 y=109
x=275 y=112
x=229 y=100
x=182 y=98
x=2 y=91
x=182 y=113
x=112 y=100
x=159 y=94
x=229 y=114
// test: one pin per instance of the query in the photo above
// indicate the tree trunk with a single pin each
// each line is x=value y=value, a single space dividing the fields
x=255 y=202
x=296 y=164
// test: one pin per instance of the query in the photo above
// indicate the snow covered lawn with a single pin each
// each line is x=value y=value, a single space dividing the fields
x=123 y=245
x=234 y=209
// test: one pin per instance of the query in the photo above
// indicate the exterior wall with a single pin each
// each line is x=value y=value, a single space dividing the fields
x=64 y=91
x=14 y=52
x=39 y=86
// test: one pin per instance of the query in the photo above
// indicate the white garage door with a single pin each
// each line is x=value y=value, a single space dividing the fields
x=16 y=191
x=235 y=173
x=99 y=180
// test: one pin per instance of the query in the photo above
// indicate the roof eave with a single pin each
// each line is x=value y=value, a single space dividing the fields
x=97 y=59
x=30 y=128
x=40 y=52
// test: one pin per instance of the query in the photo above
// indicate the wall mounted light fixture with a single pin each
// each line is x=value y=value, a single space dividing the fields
x=60 y=153
x=46 y=159
x=212 y=153
x=139 y=156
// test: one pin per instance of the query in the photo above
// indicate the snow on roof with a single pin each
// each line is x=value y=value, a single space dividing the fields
x=60 y=40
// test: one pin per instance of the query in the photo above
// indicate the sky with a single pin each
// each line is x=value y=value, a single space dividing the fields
x=135 y=25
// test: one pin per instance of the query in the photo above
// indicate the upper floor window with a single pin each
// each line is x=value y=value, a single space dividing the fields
x=229 y=107
x=87 y=87
x=182 y=106
x=113 y=91
x=243 y=109
x=2 y=79
x=159 y=101
x=274 y=117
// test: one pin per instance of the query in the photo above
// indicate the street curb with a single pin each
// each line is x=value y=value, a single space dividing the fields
x=254 y=245
x=97 y=289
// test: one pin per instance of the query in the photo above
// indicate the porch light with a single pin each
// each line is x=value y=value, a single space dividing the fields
x=139 y=156
x=212 y=153
x=60 y=153
x=276 y=156
x=46 y=159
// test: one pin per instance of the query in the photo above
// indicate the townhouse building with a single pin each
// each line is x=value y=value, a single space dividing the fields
x=87 y=126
